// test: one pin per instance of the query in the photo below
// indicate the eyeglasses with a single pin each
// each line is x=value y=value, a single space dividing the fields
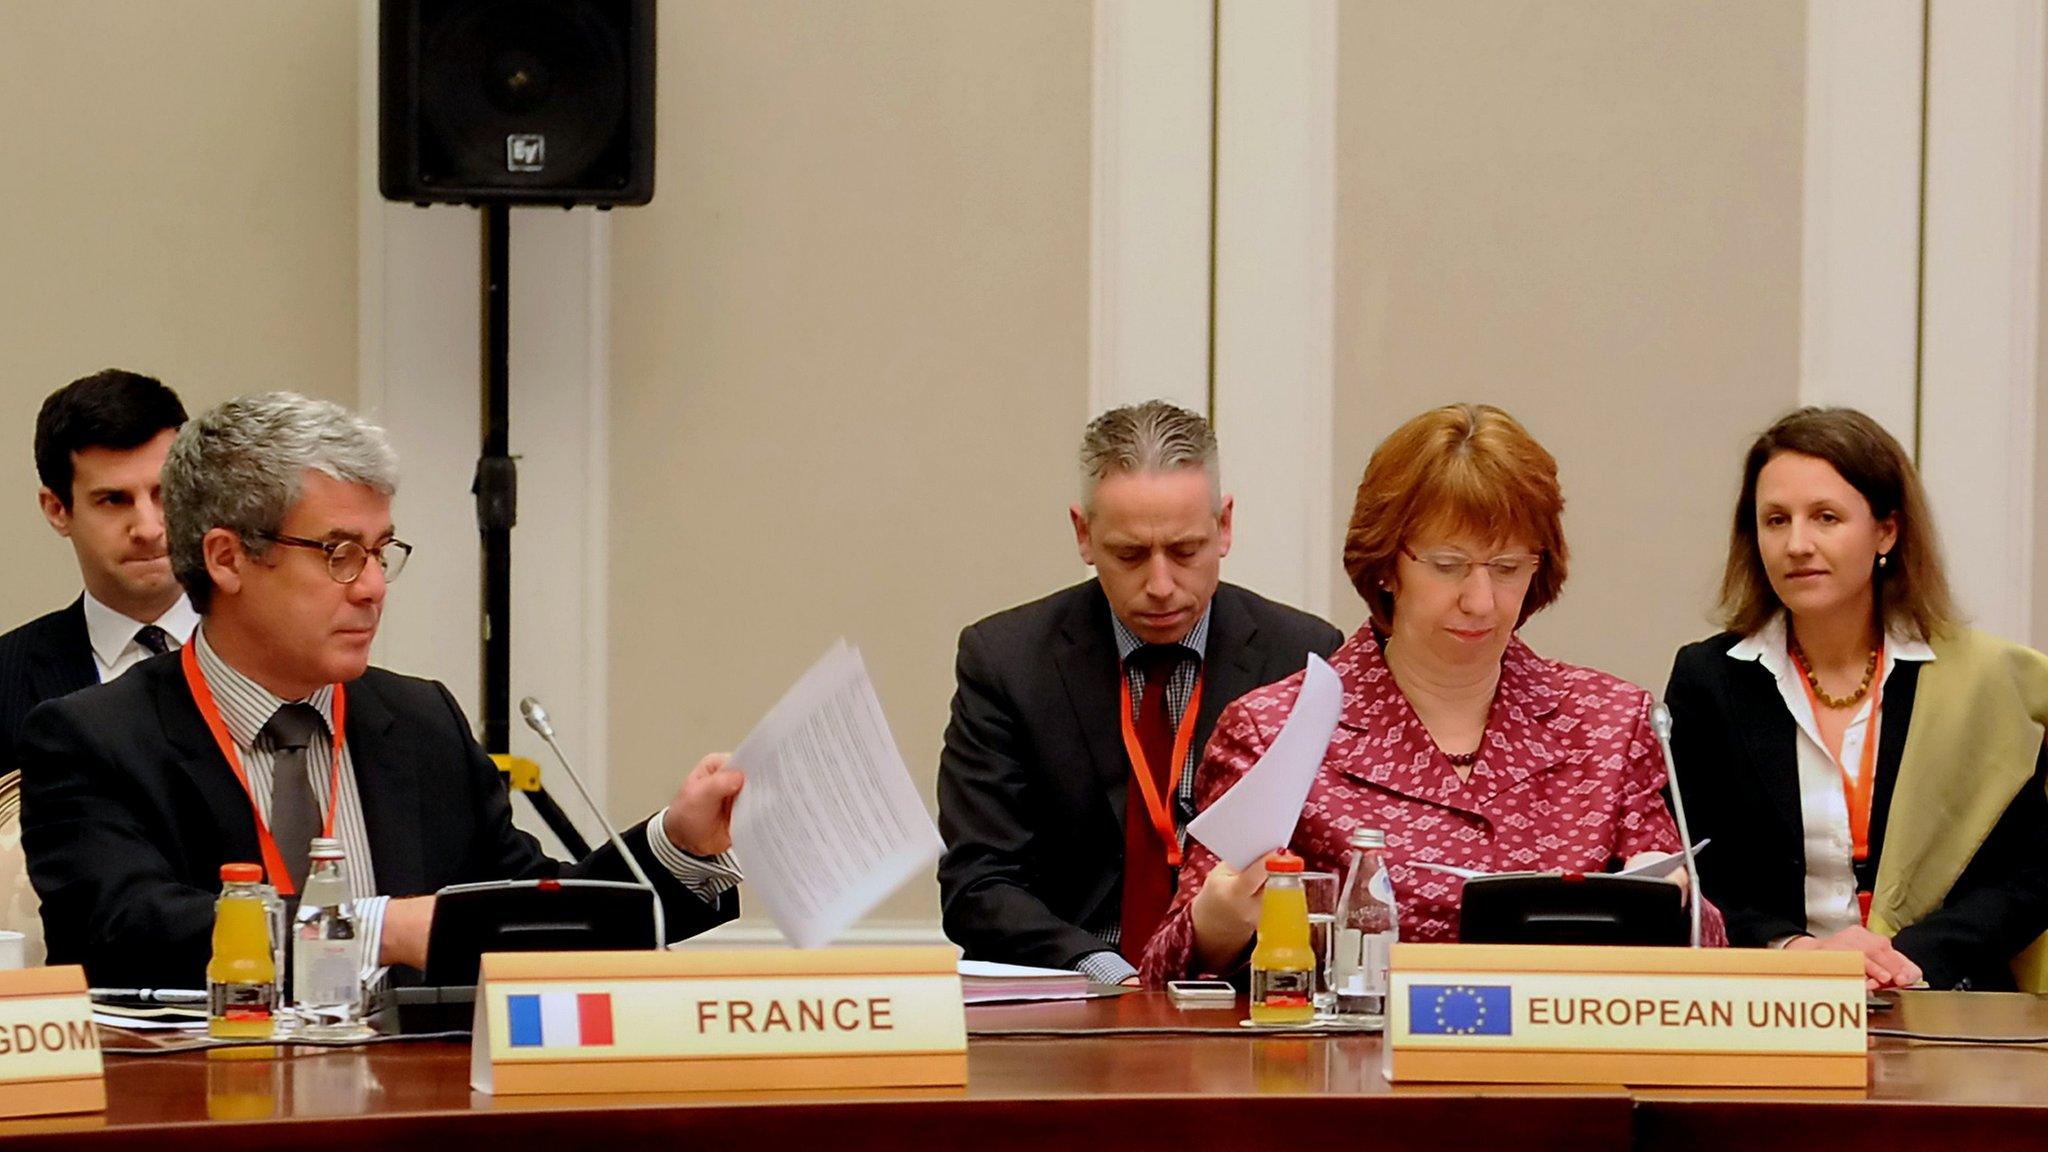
x=1453 y=567
x=346 y=559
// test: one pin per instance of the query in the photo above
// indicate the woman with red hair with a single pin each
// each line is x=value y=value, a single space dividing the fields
x=1457 y=740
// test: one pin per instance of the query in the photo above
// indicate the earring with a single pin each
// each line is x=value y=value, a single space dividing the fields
x=1881 y=559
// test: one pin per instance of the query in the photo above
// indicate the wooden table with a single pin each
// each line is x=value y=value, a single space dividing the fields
x=1218 y=1086
x=1952 y=1097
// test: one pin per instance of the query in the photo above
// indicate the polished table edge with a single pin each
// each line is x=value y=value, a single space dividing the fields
x=1029 y=1092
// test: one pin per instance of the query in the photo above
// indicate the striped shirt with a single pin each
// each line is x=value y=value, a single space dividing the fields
x=246 y=706
x=1109 y=966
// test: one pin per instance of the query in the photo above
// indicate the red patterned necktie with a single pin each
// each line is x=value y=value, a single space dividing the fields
x=1148 y=881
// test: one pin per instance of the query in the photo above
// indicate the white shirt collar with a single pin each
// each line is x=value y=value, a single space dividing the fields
x=1196 y=641
x=1767 y=646
x=112 y=632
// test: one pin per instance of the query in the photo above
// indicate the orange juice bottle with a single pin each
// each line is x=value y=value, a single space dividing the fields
x=1283 y=963
x=241 y=979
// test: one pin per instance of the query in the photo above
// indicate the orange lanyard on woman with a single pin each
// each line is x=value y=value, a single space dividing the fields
x=202 y=695
x=1855 y=792
x=1155 y=805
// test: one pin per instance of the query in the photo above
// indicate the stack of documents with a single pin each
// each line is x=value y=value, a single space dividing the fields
x=984 y=982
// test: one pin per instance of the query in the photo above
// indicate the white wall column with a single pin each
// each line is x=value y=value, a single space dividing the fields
x=1860 y=264
x=1149 y=268
x=1276 y=289
x=1979 y=383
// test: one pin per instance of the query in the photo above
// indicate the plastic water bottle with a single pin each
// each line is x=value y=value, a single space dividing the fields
x=327 y=977
x=1368 y=923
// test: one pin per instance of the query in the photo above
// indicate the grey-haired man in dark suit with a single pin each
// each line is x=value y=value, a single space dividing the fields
x=271 y=726
x=1061 y=847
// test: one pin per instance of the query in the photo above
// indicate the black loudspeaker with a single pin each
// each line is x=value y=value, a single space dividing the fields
x=516 y=101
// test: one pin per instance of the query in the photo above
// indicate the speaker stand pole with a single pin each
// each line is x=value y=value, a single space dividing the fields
x=496 y=488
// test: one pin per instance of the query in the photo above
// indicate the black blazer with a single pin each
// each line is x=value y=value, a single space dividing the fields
x=1033 y=775
x=1737 y=763
x=47 y=657
x=129 y=810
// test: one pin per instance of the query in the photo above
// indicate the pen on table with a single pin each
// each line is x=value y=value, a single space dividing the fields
x=151 y=995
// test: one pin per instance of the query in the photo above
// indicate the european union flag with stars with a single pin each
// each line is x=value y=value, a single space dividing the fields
x=1460 y=1010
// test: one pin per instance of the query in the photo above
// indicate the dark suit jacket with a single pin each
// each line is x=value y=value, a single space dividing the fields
x=47 y=657
x=1033 y=775
x=129 y=810
x=1737 y=763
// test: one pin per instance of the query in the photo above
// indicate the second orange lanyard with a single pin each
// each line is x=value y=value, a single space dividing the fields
x=1856 y=791
x=1159 y=806
x=273 y=860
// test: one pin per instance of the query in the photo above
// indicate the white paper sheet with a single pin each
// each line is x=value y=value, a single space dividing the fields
x=829 y=822
x=987 y=982
x=1259 y=812
x=992 y=970
x=149 y=1023
x=1656 y=868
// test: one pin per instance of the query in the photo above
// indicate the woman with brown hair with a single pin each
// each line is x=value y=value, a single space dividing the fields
x=1457 y=740
x=1871 y=772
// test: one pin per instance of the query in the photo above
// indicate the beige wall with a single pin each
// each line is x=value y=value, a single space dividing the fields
x=179 y=192
x=1588 y=214
x=850 y=361
x=850 y=336
x=2039 y=639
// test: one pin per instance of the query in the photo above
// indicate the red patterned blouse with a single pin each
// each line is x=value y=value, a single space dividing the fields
x=1568 y=777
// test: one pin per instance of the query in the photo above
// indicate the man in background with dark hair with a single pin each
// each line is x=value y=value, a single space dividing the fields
x=100 y=445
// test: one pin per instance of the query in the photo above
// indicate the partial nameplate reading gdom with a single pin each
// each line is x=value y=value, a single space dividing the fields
x=567 y=1022
x=1489 y=1013
x=49 y=1046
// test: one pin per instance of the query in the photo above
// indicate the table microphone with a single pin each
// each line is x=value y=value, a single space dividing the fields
x=537 y=719
x=1660 y=723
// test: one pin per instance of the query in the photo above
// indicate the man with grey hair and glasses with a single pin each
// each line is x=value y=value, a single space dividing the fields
x=1067 y=778
x=270 y=727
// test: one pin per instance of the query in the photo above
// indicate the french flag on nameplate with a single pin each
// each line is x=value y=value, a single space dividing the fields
x=560 y=1019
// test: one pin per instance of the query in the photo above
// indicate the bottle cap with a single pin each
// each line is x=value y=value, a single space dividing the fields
x=326 y=848
x=1283 y=861
x=241 y=873
x=1368 y=838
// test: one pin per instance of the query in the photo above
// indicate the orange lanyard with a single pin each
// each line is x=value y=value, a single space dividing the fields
x=1855 y=792
x=1162 y=815
x=202 y=695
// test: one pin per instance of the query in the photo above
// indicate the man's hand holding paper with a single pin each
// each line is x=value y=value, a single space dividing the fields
x=829 y=823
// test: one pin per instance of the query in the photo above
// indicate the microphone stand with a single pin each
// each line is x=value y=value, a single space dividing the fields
x=1660 y=723
x=537 y=719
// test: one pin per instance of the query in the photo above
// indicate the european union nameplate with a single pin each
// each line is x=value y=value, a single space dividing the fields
x=1480 y=1013
x=49 y=1046
x=567 y=1022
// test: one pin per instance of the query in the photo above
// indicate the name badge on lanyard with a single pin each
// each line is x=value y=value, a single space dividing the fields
x=1157 y=806
x=202 y=695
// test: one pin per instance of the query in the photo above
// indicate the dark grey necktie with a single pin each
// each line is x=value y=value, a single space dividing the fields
x=294 y=811
x=154 y=639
